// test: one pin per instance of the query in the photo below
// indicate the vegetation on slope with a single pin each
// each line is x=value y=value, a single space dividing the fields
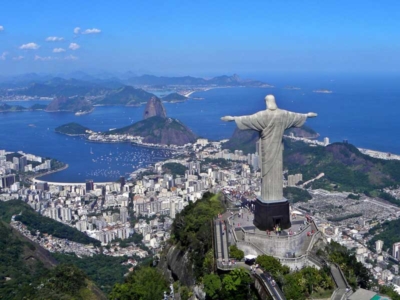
x=35 y=221
x=27 y=272
x=174 y=169
x=344 y=166
x=388 y=232
x=72 y=129
x=192 y=226
x=356 y=274
x=305 y=283
x=295 y=194
x=103 y=270
x=126 y=95
x=231 y=286
x=145 y=283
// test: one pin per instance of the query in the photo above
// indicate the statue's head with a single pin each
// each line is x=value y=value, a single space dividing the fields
x=270 y=101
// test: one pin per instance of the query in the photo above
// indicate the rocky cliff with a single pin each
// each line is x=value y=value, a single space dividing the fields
x=154 y=107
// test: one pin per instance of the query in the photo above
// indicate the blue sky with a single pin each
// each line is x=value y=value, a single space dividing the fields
x=200 y=37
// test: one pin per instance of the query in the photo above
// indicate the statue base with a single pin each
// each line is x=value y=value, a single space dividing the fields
x=269 y=214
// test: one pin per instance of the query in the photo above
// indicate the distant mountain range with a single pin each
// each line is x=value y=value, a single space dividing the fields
x=80 y=83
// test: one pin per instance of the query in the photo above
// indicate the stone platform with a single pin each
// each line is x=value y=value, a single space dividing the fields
x=269 y=214
x=289 y=243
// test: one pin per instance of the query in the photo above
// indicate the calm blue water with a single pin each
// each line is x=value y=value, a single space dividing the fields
x=363 y=109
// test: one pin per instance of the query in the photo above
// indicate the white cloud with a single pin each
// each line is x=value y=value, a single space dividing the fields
x=70 y=57
x=18 y=58
x=91 y=31
x=58 y=50
x=77 y=30
x=32 y=46
x=43 y=58
x=54 y=39
x=74 y=46
x=1 y=28
x=3 y=56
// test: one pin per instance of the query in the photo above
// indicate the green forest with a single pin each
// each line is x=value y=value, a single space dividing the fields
x=35 y=221
x=24 y=267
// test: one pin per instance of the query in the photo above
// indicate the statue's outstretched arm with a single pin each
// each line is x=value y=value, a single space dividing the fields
x=311 y=115
x=228 y=118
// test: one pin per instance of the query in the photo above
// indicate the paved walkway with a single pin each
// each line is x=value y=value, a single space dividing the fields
x=340 y=282
x=221 y=240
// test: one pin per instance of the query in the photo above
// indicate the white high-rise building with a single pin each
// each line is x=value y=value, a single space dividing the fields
x=53 y=213
x=123 y=214
x=396 y=250
x=326 y=141
x=66 y=214
x=378 y=246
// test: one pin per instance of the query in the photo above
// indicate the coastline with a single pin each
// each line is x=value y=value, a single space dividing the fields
x=33 y=178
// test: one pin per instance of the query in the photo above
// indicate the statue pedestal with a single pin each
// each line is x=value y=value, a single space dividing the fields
x=269 y=214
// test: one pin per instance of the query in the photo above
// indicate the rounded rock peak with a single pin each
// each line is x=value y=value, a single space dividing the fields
x=154 y=107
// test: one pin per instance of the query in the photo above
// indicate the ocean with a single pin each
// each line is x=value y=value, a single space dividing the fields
x=362 y=109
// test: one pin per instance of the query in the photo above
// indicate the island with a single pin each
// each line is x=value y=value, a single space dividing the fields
x=72 y=129
x=174 y=98
x=289 y=87
x=4 y=107
x=323 y=91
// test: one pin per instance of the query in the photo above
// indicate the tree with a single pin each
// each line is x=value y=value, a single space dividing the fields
x=144 y=284
x=235 y=252
x=212 y=285
x=270 y=264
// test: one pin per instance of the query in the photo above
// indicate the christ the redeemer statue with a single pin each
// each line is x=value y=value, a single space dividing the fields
x=271 y=124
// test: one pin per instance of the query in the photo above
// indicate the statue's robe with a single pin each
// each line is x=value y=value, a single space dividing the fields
x=271 y=124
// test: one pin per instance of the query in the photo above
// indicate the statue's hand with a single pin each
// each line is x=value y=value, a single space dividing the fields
x=311 y=115
x=228 y=118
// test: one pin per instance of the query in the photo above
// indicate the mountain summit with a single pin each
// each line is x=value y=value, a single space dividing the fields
x=154 y=107
x=157 y=128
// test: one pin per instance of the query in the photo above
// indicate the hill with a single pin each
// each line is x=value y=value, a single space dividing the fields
x=303 y=131
x=27 y=271
x=72 y=129
x=174 y=97
x=158 y=130
x=245 y=140
x=126 y=95
x=345 y=167
x=35 y=221
x=76 y=104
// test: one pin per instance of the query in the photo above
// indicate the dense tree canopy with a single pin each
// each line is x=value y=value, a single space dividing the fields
x=192 y=227
x=143 y=284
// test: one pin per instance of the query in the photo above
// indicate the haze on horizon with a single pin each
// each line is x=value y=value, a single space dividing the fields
x=204 y=38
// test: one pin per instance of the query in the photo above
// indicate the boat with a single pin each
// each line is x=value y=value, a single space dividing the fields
x=91 y=151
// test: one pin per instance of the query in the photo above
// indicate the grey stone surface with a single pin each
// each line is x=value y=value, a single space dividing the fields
x=271 y=124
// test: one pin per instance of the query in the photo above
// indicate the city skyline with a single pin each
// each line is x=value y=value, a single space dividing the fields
x=177 y=38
